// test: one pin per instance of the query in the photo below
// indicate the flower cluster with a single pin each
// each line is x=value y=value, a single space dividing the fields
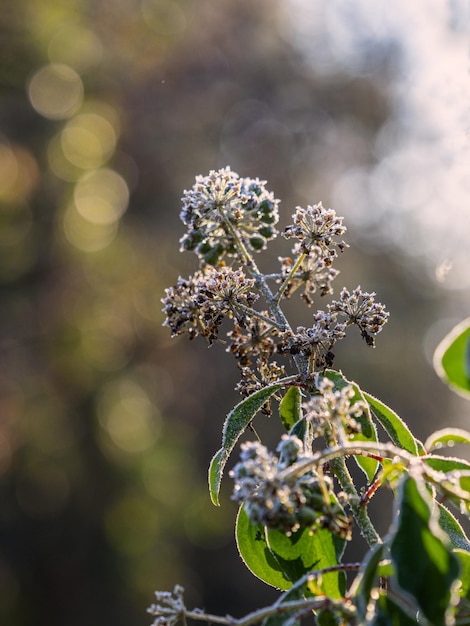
x=169 y=608
x=221 y=208
x=199 y=304
x=317 y=341
x=229 y=216
x=314 y=273
x=360 y=308
x=281 y=499
x=317 y=226
x=334 y=408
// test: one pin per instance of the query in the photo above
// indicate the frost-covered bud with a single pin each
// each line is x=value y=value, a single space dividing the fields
x=360 y=308
x=317 y=226
x=280 y=499
x=221 y=207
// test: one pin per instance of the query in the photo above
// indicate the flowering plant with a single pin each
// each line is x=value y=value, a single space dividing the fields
x=299 y=505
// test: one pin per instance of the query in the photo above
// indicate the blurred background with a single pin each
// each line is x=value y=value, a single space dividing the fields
x=107 y=112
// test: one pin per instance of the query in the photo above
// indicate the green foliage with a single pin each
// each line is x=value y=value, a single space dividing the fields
x=426 y=567
x=452 y=358
x=235 y=425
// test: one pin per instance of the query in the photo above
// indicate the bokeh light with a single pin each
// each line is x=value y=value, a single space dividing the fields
x=56 y=91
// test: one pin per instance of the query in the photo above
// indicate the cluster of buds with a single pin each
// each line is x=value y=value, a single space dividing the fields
x=223 y=210
x=282 y=499
x=169 y=607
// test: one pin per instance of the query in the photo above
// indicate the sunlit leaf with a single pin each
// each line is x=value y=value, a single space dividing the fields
x=451 y=526
x=452 y=358
x=290 y=407
x=425 y=564
x=235 y=424
x=305 y=551
x=255 y=553
x=394 y=426
x=447 y=437
x=445 y=463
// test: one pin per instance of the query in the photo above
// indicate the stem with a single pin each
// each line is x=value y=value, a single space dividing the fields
x=260 y=615
x=258 y=315
x=293 y=270
x=273 y=305
x=361 y=517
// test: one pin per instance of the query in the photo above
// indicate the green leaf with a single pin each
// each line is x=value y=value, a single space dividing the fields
x=394 y=426
x=447 y=437
x=424 y=562
x=464 y=578
x=290 y=407
x=445 y=463
x=452 y=359
x=368 y=431
x=235 y=424
x=255 y=553
x=453 y=529
x=305 y=551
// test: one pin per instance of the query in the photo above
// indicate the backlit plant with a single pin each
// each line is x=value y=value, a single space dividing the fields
x=299 y=505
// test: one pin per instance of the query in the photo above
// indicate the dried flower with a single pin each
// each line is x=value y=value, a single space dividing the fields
x=170 y=607
x=255 y=340
x=198 y=305
x=314 y=273
x=360 y=308
x=221 y=203
x=317 y=226
x=333 y=407
x=316 y=342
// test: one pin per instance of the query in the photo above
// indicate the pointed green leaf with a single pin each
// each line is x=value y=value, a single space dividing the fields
x=445 y=463
x=424 y=562
x=305 y=551
x=452 y=359
x=453 y=529
x=255 y=553
x=235 y=424
x=241 y=415
x=447 y=437
x=394 y=426
x=216 y=469
x=290 y=407
x=368 y=431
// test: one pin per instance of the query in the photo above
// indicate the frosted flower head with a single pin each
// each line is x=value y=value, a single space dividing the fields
x=221 y=206
x=318 y=340
x=282 y=499
x=317 y=226
x=334 y=406
x=253 y=340
x=315 y=274
x=169 y=607
x=198 y=305
x=360 y=308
